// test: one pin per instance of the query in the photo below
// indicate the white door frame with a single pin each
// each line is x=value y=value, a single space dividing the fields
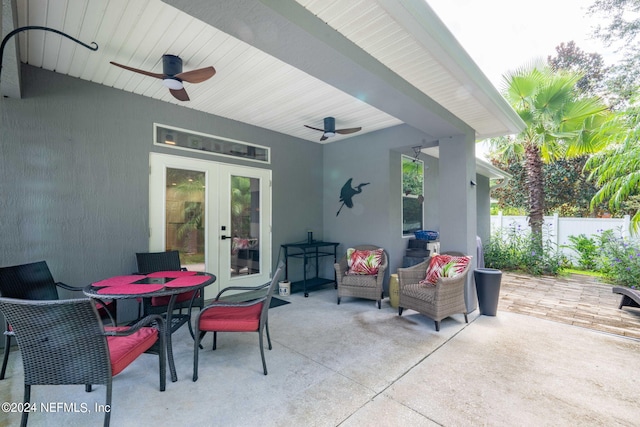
x=217 y=196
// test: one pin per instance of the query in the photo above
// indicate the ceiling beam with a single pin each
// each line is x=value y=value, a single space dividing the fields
x=286 y=30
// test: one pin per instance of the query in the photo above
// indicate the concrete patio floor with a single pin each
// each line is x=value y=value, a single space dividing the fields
x=550 y=357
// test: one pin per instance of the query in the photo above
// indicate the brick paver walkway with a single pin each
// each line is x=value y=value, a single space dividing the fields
x=577 y=300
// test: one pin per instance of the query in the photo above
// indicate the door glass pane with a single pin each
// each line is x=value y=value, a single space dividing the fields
x=185 y=213
x=245 y=225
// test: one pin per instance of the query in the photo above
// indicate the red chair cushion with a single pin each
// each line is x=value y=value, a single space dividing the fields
x=106 y=307
x=124 y=350
x=231 y=319
x=160 y=301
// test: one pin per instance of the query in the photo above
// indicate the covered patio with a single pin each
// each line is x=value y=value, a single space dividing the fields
x=77 y=133
x=351 y=364
x=76 y=139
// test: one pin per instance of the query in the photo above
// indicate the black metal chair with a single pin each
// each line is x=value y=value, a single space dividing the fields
x=237 y=316
x=34 y=281
x=151 y=262
x=85 y=353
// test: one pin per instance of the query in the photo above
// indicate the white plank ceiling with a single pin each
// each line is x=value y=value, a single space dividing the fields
x=250 y=85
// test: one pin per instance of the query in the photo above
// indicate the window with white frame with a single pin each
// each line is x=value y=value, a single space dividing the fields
x=184 y=139
x=412 y=194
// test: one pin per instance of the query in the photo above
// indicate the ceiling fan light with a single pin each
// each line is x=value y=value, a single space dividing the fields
x=329 y=134
x=174 y=84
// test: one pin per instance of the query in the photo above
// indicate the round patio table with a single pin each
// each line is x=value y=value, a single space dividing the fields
x=158 y=284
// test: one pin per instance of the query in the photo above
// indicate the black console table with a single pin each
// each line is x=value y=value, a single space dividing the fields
x=306 y=251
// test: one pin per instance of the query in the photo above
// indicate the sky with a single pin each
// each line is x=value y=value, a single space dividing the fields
x=503 y=35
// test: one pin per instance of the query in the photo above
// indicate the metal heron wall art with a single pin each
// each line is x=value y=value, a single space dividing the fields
x=347 y=193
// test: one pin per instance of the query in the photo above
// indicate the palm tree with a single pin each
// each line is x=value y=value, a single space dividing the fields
x=560 y=123
x=616 y=170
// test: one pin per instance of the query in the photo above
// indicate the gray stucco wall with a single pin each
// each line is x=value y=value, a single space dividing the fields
x=376 y=217
x=484 y=208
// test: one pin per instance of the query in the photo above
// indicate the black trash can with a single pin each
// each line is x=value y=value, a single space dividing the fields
x=488 y=289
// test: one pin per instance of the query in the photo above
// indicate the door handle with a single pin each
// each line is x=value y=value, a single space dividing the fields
x=225 y=237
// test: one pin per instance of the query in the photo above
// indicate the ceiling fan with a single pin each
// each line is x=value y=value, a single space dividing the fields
x=172 y=75
x=330 y=129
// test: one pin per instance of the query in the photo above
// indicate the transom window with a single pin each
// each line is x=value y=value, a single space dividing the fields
x=183 y=139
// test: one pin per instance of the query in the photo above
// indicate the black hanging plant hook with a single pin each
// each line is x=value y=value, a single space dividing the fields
x=93 y=46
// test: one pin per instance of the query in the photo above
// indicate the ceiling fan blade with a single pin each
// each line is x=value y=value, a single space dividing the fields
x=179 y=94
x=349 y=130
x=324 y=138
x=311 y=127
x=196 y=76
x=135 y=70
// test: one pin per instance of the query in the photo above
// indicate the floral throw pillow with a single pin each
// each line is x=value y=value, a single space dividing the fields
x=364 y=261
x=239 y=243
x=444 y=266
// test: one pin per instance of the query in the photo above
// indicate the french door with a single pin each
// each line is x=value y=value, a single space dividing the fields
x=217 y=215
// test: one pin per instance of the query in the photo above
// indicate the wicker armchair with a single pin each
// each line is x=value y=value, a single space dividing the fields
x=236 y=316
x=151 y=262
x=34 y=281
x=361 y=286
x=443 y=299
x=64 y=342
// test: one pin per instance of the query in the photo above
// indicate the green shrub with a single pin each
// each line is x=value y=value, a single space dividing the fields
x=587 y=250
x=516 y=249
x=619 y=259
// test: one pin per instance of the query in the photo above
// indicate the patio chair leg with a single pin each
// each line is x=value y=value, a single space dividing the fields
x=5 y=359
x=201 y=335
x=162 y=356
x=196 y=348
x=437 y=325
x=190 y=327
x=215 y=336
x=264 y=364
x=27 y=399
x=466 y=319
x=625 y=301
x=338 y=300
x=87 y=388
x=379 y=304
x=266 y=325
x=400 y=311
x=107 y=414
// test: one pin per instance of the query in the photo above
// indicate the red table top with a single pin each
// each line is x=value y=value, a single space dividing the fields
x=159 y=283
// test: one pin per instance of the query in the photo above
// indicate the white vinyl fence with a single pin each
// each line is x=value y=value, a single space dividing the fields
x=558 y=229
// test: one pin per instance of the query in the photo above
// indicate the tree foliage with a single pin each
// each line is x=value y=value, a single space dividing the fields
x=620 y=31
x=412 y=176
x=623 y=20
x=567 y=190
x=561 y=122
x=570 y=57
x=617 y=169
